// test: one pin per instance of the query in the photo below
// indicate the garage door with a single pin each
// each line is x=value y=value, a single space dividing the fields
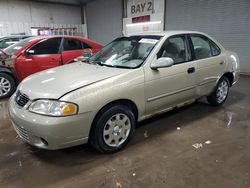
x=104 y=20
x=228 y=21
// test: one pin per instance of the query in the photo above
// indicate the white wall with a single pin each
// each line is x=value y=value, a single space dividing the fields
x=28 y=11
x=17 y=16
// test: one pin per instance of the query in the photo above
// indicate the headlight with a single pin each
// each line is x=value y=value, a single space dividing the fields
x=53 y=108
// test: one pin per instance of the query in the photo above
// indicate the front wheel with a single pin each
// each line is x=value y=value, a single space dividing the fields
x=219 y=95
x=7 y=85
x=113 y=129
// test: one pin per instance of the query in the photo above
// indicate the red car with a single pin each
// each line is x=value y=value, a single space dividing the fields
x=36 y=54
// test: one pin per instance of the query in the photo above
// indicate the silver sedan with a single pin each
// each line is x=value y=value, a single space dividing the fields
x=133 y=78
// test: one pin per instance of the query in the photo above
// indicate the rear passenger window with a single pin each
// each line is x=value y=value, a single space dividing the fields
x=72 y=44
x=201 y=47
x=175 y=48
x=215 y=49
x=204 y=47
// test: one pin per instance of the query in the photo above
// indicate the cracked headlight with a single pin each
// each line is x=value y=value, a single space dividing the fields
x=53 y=108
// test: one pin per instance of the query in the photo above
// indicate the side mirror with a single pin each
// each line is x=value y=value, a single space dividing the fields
x=87 y=54
x=29 y=52
x=162 y=62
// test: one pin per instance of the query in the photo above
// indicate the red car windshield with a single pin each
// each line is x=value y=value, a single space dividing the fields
x=12 y=49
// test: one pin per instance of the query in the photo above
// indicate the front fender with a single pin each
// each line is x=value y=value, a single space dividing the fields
x=127 y=86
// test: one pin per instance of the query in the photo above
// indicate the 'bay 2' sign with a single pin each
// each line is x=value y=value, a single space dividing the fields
x=140 y=7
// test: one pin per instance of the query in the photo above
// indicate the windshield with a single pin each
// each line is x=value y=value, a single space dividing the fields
x=12 y=49
x=125 y=52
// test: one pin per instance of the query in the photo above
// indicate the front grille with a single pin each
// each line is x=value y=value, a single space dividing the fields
x=21 y=99
x=22 y=133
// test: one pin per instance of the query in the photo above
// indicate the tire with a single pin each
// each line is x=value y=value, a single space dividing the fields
x=7 y=85
x=220 y=93
x=113 y=129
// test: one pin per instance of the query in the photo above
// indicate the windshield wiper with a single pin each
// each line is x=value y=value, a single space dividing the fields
x=98 y=63
x=123 y=67
x=107 y=65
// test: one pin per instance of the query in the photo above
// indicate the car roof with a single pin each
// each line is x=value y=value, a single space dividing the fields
x=51 y=36
x=169 y=33
x=178 y=32
x=41 y=37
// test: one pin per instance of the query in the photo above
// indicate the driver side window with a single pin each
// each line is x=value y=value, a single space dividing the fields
x=176 y=48
x=48 y=46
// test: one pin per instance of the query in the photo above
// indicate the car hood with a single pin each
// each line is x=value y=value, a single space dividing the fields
x=54 y=83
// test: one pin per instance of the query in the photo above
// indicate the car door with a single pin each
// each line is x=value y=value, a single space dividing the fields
x=41 y=56
x=170 y=86
x=72 y=48
x=210 y=63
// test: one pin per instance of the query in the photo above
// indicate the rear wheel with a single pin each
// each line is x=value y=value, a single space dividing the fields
x=7 y=85
x=219 y=95
x=113 y=129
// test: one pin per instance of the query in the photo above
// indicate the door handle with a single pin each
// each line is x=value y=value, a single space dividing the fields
x=191 y=70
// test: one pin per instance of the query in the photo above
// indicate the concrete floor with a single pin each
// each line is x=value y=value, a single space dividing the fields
x=161 y=153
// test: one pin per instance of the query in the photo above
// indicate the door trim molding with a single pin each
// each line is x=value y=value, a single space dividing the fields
x=207 y=82
x=169 y=94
